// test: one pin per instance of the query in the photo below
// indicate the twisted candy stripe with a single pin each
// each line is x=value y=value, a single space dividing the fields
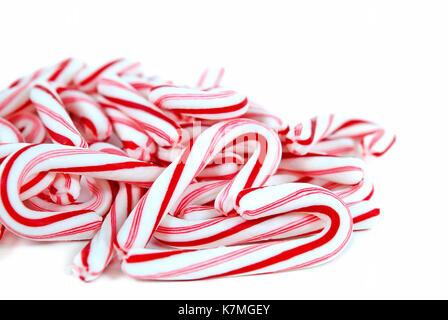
x=96 y=126
x=204 y=226
x=373 y=138
x=55 y=118
x=29 y=125
x=146 y=216
x=260 y=258
x=343 y=170
x=9 y=133
x=87 y=79
x=216 y=103
x=160 y=127
x=93 y=259
x=16 y=96
x=178 y=182
x=31 y=160
x=134 y=139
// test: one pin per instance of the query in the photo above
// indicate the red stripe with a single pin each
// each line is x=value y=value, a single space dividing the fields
x=212 y=110
x=98 y=72
x=291 y=253
x=367 y=215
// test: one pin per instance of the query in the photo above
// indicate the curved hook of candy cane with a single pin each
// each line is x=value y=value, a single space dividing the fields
x=55 y=118
x=305 y=135
x=164 y=130
x=16 y=96
x=96 y=126
x=33 y=159
x=100 y=199
x=206 y=229
x=166 y=190
x=215 y=103
x=204 y=226
x=30 y=126
x=258 y=113
x=136 y=142
x=9 y=133
x=261 y=258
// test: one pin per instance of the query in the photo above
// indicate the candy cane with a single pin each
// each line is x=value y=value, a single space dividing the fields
x=136 y=142
x=198 y=193
x=336 y=147
x=160 y=127
x=16 y=97
x=9 y=133
x=196 y=213
x=100 y=200
x=87 y=79
x=91 y=261
x=204 y=226
x=260 y=258
x=343 y=170
x=256 y=112
x=217 y=103
x=144 y=85
x=30 y=160
x=95 y=124
x=55 y=118
x=144 y=219
x=304 y=135
x=29 y=125
x=62 y=130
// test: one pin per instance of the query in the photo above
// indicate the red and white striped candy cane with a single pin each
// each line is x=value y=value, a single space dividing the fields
x=91 y=261
x=92 y=119
x=55 y=118
x=217 y=103
x=29 y=125
x=62 y=130
x=16 y=96
x=214 y=230
x=136 y=142
x=100 y=200
x=87 y=79
x=164 y=130
x=166 y=190
x=343 y=170
x=336 y=147
x=258 y=113
x=9 y=133
x=267 y=257
x=209 y=229
x=144 y=85
x=374 y=139
x=197 y=213
x=31 y=160
x=198 y=193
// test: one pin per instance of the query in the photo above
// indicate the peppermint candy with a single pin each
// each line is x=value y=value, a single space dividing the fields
x=178 y=182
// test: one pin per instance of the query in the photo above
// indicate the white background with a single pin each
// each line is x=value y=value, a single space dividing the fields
x=383 y=60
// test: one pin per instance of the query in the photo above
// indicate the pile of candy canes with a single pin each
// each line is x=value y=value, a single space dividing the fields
x=177 y=182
